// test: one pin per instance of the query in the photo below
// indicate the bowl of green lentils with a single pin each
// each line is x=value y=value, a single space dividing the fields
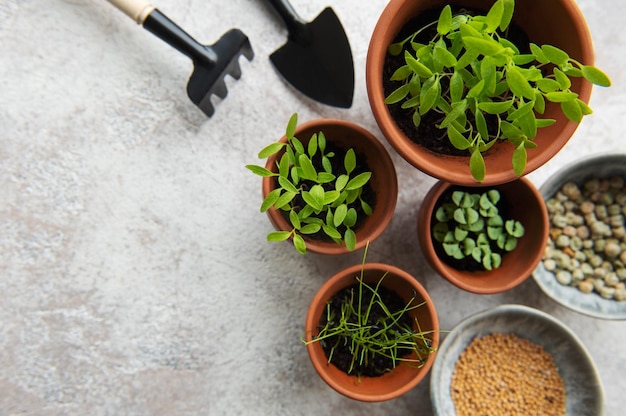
x=584 y=264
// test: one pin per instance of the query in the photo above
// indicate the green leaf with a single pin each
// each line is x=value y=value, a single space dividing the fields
x=492 y=261
x=584 y=107
x=484 y=46
x=269 y=200
x=401 y=73
x=548 y=85
x=287 y=185
x=555 y=55
x=430 y=94
x=458 y=109
x=481 y=125
x=351 y=218
x=495 y=107
x=349 y=161
x=460 y=234
x=528 y=124
x=457 y=139
x=341 y=182
x=540 y=103
x=595 y=76
x=291 y=126
x=395 y=48
x=561 y=96
x=331 y=196
x=510 y=131
x=507 y=14
x=416 y=66
x=522 y=110
x=477 y=165
x=367 y=208
x=340 y=214
x=284 y=199
x=477 y=89
x=325 y=177
x=518 y=84
x=443 y=56
x=312 y=146
x=294 y=219
x=314 y=198
x=456 y=86
x=331 y=232
x=311 y=228
x=519 y=159
x=514 y=228
x=349 y=238
x=299 y=244
x=445 y=21
x=261 y=171
x=572 y=110
x=494 y=16
x=358 y=181
x=276 y=236
x=397 y=95
x=562 y=79
x=539 y=55
x=308 y=171
x=271 y=149
x=439 y=231
x=466 y=59
x=326 y=164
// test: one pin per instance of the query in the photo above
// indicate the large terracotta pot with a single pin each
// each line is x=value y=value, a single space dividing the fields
x=403 y=378
x=384 y=182
x=556 y=22
x=525 y=205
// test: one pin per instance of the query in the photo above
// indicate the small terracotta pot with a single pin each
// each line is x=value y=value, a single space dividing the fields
x=384 y=182
x=403 y=378
x=525 y=205
x=556 y=22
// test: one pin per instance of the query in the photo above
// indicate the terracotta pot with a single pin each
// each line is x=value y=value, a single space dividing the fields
x=384 y=182
x=403 y=378
x=556 y=22
x=525 y=205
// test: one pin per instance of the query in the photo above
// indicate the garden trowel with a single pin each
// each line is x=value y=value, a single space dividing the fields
x=211 y=63
x=317 y=59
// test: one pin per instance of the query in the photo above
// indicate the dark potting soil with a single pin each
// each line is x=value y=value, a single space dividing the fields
x=367 y=193
x=427 y=134
x=467 y=263
x=339 y=346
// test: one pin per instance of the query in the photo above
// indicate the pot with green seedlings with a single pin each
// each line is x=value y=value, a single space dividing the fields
x=372 y=332
x=480 y=92
x=483 y=239
x=328 y=185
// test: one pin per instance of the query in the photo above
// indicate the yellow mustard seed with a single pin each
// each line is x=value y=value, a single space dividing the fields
x=503 y=374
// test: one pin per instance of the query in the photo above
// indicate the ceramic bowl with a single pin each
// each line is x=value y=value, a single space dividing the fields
x=592 y=304
x=583 y=387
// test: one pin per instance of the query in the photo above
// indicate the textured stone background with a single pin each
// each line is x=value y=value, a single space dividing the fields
x=135 y=276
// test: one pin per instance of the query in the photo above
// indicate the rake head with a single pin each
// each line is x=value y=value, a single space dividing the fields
x=221 y=58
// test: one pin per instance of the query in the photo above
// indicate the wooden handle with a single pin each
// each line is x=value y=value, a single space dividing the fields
x=137 y=10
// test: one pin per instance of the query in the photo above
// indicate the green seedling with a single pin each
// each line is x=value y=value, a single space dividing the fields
x=369 y=339
x=470 y=226
x=470 y=73
x=315 y=198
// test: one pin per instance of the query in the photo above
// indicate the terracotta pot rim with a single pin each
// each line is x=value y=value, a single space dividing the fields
x=531 y=260
x=385 y=207
x=332 y=286
x=439 y=166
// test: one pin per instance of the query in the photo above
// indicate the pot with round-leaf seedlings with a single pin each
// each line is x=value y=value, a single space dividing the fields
x=480 y=92
x=328 y=185
x=471 y=235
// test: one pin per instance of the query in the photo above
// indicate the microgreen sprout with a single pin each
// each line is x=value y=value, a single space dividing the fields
x=371 y=330
x=313 y=197
x=470 y=226
x=470 y=73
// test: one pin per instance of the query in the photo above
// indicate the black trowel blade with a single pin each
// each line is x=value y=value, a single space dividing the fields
x=320 y=66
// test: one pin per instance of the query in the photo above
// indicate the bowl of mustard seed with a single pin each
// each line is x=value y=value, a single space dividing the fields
x=514 y=360
x=584 y=264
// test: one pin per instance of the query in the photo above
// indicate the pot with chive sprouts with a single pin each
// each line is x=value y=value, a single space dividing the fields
x=480 y=92
x=372 y=332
